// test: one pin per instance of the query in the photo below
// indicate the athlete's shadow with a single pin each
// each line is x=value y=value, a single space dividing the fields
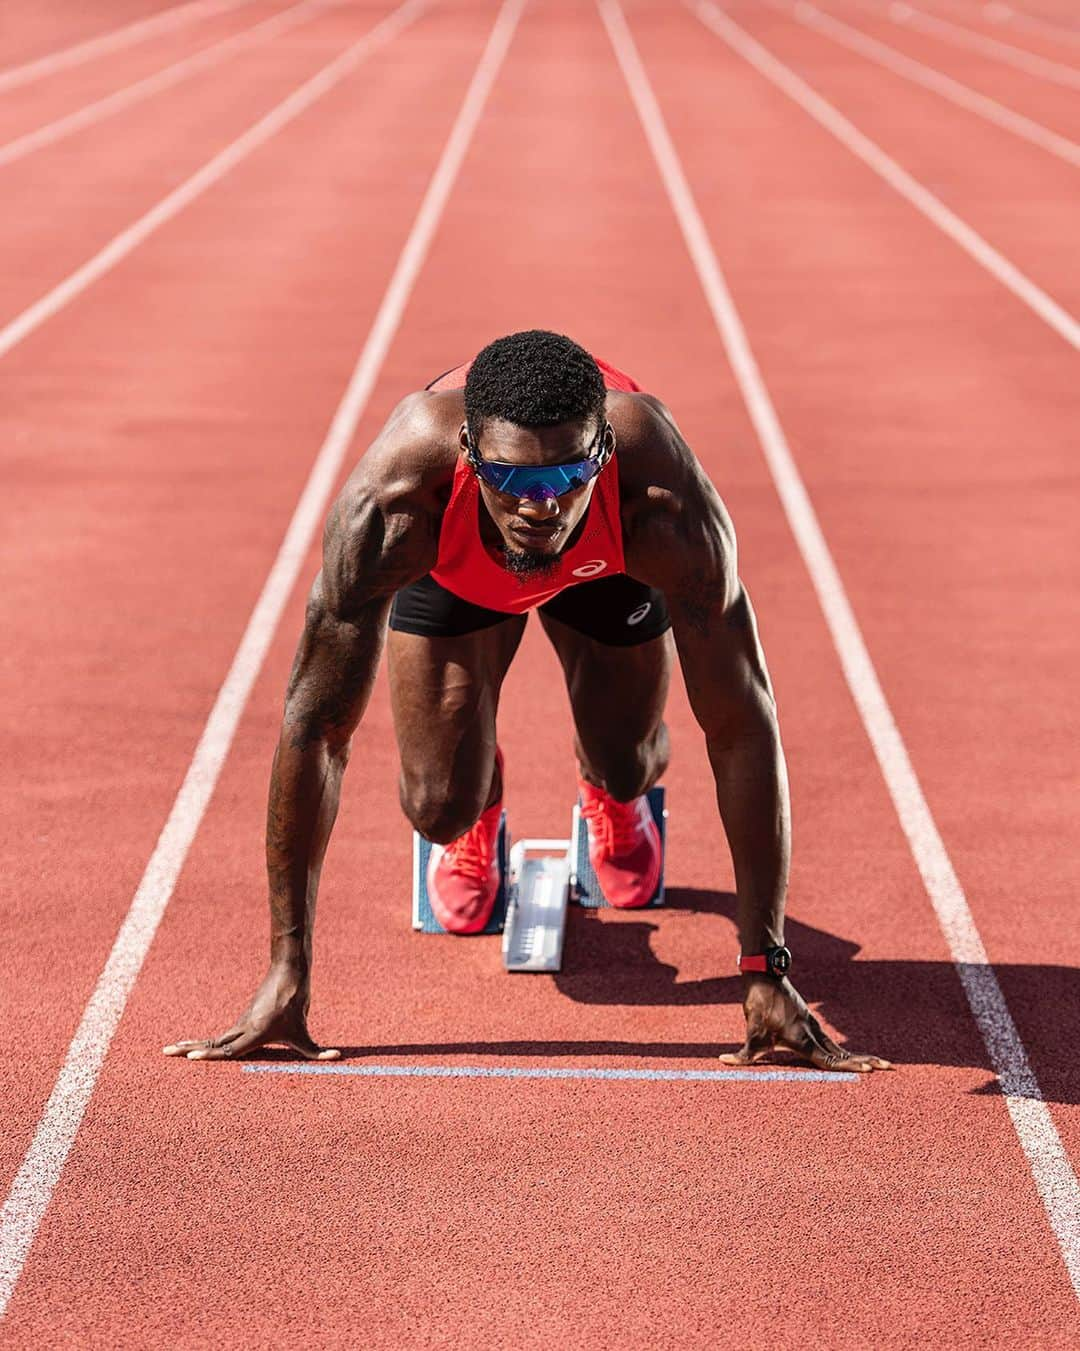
x=910 y=1012
x=907 y=1011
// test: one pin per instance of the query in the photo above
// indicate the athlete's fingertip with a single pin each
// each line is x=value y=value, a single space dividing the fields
x=329 y=1055
x=198 y=1055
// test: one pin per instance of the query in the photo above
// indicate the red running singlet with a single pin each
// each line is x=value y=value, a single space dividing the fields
x=467 y=568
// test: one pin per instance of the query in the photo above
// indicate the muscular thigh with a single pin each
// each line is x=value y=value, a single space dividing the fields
x=445 y=693
x=617 y=694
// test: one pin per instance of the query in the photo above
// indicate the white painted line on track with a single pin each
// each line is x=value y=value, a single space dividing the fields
x=938 y=83
x=999 y=13
x=95 y=112
x=958 y=36
x=898 y=178
x=1050 y=1167
x=760 y=1076
x=212 y=172
x=163 y=22
x=44 y=1160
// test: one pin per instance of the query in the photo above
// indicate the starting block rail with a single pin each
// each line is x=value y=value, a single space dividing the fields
x=536 y=914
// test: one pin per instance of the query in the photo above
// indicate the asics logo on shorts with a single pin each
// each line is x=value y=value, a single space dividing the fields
x=590 y=569
x=639 y=614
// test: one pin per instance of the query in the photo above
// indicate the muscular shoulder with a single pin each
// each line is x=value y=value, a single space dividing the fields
x=413 y=457
x=676 y=529
x=383 y=530
x=656 y=466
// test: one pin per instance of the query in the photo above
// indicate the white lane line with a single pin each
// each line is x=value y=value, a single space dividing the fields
x=959 y=36
x=761 y=1076
x=1053 y=1174
x=872 y=155
x=163 y=22
x=929 y=78
x=215 y=169
x=998 y=13
x=44 y=1160
x=165 y=78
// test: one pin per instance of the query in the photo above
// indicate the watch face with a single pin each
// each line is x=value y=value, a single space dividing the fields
x=780 y=961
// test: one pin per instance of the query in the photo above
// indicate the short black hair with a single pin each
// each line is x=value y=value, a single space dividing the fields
x=533 y=379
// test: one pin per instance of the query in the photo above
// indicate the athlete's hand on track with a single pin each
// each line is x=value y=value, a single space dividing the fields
x=276 y=1016
x=777 y=1019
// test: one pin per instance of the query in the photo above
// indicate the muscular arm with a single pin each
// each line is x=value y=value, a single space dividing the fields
x=684 y=543
x=380 y=535
x=331 y=682
x=732 y=700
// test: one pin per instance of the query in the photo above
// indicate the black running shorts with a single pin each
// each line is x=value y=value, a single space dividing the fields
x=614 y=610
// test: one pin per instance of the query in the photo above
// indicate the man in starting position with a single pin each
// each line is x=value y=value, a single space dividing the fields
x=535 y=477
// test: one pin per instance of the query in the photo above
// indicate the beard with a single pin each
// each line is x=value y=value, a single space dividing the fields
x=526 y=563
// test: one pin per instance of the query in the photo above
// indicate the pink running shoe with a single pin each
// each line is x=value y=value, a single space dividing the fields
x=624 y=846
x=463 y=877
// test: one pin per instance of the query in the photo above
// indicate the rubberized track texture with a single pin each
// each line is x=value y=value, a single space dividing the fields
x=859 y=298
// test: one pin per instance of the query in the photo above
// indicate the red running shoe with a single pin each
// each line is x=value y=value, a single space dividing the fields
x=463 y=877
x=624 y=846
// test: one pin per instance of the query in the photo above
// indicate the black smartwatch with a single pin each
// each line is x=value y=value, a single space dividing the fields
x=773 y=961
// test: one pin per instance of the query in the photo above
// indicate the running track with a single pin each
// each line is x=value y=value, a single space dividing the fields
x=159 y=423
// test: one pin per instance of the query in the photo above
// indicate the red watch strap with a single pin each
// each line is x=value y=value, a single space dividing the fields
x=759 y=962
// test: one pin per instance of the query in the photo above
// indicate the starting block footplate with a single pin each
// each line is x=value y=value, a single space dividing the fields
x=538 y=880
x=423 y=917
x=584 y=888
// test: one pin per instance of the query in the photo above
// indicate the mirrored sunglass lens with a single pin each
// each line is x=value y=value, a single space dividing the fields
x=523 y=481
x=495 y=475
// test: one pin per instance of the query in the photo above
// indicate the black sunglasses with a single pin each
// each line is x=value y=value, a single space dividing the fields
x=535 y=483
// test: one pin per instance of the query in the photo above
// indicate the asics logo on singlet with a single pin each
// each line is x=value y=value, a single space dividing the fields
x=591 y=568
x=639 y=614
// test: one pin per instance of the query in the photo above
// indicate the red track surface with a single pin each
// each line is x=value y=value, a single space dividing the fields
x=1049 y=28
x=157 y=433
x=41 y=31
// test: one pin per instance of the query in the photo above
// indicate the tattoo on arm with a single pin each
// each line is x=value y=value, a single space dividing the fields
x=696 y=600
x=327 y=688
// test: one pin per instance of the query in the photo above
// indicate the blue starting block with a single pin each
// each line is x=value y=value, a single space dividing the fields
x=584 y=888
x=539 y=879
x=423 y=917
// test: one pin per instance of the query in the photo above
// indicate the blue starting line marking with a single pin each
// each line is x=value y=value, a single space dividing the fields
x=515 y=1072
